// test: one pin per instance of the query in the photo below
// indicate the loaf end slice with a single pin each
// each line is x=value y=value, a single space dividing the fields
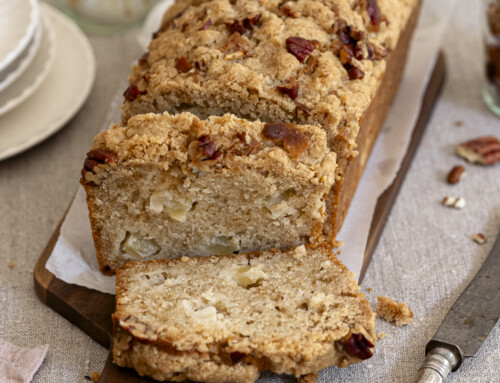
x=166 y=186
x=226 y=318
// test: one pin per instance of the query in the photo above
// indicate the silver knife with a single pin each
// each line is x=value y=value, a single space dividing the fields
x=467 y=324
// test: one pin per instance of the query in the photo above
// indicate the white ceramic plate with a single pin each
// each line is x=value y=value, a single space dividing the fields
x=18 y=66
x=33 y=75
x=18 y=22
x=59 y=97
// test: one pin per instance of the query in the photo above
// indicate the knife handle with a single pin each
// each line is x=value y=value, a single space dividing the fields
x=437 y=365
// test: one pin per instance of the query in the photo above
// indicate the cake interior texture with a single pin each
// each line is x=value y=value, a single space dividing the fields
x=226 y=318
x=162 y=195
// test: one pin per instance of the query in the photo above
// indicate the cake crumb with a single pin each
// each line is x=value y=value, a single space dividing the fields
x=382 y=335
x=185 y=259
x=310 y=378
x=459 y=123
x=479 y=238
x=11 y=264
x=369 y=289
x=395 y=312
x=94 y=376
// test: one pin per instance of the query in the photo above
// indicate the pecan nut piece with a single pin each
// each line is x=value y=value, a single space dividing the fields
x=243 y=25
x=96 y=158
x=479 y=238
x=132 y=92
x=300 y=47
x=360 y=347
x=456 y=174
x=375 y=15
x=203 y=154
x=291 y=89
x=183 y=66
x=294 y=141
x=237 y=46
x=481 y=150
x=248 y=145
x=355 y=73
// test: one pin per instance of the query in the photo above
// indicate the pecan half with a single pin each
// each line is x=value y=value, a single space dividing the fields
x=291 y=89
x=183 y=66
x=94 y=159
x=203 y=154
x=300 y=47
x=357 y=345
x=243 y=25
x=481 y=150
x=294 y=140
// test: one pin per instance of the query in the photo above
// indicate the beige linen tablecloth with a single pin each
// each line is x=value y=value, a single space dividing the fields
x=425 y=256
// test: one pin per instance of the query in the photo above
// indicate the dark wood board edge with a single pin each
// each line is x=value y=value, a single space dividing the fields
x=388 y=197
x=70 y=301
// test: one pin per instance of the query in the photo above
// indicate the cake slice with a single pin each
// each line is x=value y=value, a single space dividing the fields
x=166 y=186
x=226 y=318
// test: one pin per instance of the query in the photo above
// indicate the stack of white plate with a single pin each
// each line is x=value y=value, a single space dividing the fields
x=47 y=69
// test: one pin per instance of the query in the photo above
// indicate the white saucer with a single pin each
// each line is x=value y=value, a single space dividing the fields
x=35 y=73
x=59 y=97
x=18 y=24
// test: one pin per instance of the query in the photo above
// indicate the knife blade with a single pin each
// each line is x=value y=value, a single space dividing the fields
x=467 y=325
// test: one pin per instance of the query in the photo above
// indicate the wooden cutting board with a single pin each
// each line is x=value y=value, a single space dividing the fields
x=91 y=310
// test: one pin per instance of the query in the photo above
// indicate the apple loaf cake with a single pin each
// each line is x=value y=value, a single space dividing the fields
x=317 y=62
x=226 y=318
x=164 y=186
